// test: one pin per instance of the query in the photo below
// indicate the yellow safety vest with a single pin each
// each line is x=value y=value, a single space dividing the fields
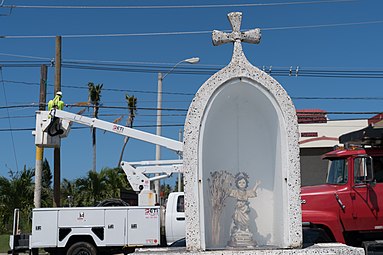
x=56 y=103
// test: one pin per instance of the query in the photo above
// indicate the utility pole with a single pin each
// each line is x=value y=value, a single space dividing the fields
x=157 y=186
x=161 y=77
x=57 y=154
x=40 y=150
x=180 y=138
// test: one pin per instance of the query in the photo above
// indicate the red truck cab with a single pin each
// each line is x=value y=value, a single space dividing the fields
x=349 y=206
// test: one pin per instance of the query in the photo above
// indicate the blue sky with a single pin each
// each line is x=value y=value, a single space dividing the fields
x=314 y=35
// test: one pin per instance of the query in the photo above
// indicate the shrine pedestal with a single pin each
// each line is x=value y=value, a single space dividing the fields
x=317 y=249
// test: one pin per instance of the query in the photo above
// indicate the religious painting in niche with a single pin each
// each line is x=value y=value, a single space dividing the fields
x=223 y=185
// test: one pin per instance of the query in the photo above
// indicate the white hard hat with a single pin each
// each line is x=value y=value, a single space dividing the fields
x=59 y=93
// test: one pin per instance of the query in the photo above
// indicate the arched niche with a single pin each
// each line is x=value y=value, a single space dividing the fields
x=243 y=131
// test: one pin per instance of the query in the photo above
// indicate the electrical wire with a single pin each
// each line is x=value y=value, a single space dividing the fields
x=185 y=110
x=172 y=6
x=23 y=56
x=9 y=120
x=188 y=32
x=298 y=71
x=181 y=125
x=103 y=89
x=170 y=93
x=74 y=128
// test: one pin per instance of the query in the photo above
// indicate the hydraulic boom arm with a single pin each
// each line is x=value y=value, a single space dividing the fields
x=44 y=118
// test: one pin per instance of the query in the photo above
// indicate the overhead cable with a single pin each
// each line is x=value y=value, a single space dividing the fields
x=354 y=74
x=187 y=32
x=9 y=120
x=171 y=6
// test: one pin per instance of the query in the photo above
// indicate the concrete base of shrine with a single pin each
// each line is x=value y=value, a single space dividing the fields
x=320 y=249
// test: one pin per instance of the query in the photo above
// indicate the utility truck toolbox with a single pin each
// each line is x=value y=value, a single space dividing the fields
x=106 y=226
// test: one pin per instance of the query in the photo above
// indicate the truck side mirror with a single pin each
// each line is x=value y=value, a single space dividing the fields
x=363 y=169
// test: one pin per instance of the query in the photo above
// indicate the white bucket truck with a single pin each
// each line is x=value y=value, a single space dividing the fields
x=91 y=230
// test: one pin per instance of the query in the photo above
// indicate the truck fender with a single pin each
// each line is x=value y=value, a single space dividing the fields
x=81 y=234
x=328 y=220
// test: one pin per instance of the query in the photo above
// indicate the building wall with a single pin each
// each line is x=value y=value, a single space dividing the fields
x=313 y=168
x=315 y=139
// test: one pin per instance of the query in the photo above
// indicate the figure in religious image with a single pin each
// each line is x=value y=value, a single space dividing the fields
x=240 y=235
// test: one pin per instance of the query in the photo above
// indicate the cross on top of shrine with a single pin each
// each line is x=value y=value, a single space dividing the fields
x=235 y=18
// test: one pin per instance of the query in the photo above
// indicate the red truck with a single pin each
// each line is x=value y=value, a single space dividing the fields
x=348 y=208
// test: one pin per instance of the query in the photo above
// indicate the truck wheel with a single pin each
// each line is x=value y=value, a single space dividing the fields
x=129 y=250
x=81 y=248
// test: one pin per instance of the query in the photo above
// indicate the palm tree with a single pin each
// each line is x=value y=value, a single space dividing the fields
x=132 y=108
x=94 y=99
x=92 y=188
x=69 y=192
x=116 y=180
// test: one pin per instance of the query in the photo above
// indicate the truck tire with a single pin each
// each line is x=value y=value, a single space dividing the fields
x=82 y=248
x=34 y=251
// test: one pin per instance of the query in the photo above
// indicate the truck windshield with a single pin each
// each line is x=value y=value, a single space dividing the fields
x=337 y=172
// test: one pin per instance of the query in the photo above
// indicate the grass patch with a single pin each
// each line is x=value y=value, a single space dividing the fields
x=4 y=243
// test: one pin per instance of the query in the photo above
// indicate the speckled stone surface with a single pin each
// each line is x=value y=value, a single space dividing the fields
x=240 y=67
x=318 y=249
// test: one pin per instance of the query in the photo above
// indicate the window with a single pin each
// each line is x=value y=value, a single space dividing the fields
x=378 y=168
x=362 y=170
x=337 y=172
x=181 y=204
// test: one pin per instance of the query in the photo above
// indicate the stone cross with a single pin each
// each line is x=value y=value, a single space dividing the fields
x=235 y=18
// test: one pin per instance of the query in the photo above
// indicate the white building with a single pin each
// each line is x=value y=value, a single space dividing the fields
x=319 y=135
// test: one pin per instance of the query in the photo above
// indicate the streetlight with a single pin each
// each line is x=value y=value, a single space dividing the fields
x=159 y=115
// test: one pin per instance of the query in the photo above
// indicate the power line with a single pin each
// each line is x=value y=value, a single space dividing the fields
x=170 y=93
x=189 y=32
x=18 y=106
x=22 y=56
x=9 y=120
x=103 y=89
x=182 y=125
x=298 y=71
x=324 y=25
x=337 y=98
x=74 y=128
x=170 y=6
x=185 y=109
x=100 y=106
x=100 y=115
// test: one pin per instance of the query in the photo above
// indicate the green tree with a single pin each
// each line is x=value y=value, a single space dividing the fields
x=46 y=182
x=69 y=193
x=92 y=188
x=116 y=180
x=94 y=99
x=17 y=191
x=165 y=191
x=132 y=109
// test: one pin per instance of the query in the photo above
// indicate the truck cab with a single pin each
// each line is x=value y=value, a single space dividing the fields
x=348 y=205
x=175 y=218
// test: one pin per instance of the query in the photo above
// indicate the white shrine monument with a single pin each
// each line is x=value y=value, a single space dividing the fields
x=242 y=125
x=241 y=162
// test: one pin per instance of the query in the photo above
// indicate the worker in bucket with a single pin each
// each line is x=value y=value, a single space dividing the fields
x=56 y=102
x=54 y=127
